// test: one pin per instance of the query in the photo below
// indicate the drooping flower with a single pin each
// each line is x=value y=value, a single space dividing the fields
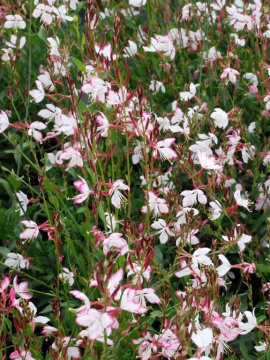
x=82 y=187
x=31 y=231
x=116 y=196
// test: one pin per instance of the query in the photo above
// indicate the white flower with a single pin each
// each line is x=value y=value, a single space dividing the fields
x=34 y=130
x=110 y=222
x=156 y=86
x=13 y=42
x=17 y=261
x=252 y=78
x=216 y=209
x=23 y=202
x=208 y=162
x=46 y=81
x=250 y=324
x=116 y=196
x=241 y=240
x=231 y=74
x=188 y=95
x=44 y=12
x=163 y=148
x=4 y=122
x=54 y=44
x=199 y=257
x=60 y=13
x=224 y=267
x=53 y=113
x=193 y=196
x=220 y=118
x=163 y=230
x=202 y=338
x=162 y=44
x=31 y=231
x=240 y=200
x=38 y=94
x=137 y=3
x=72 y=4
x=131 y=49
x=82 y=187
x=156 y=204
x=67 y=276
x=73 y=155
x=261 y=347
x=15 y=22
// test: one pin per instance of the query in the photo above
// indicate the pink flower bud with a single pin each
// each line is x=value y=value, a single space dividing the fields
x=140 y=227
x=253 y=89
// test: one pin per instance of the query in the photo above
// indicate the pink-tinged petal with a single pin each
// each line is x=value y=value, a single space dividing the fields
x=38 y=125
x=115 y=280
x=14 y=355
x=107 y=320
x=25 y=296
x=129 y=304
x=151 y=296
x=78 y=199
x=81 y=296
x=202 y=199
x=22 y=287
x=48 y=330
x=73 y=352
x=4 y=284
x=116 y=200
x=84 y=320
x=87 y=88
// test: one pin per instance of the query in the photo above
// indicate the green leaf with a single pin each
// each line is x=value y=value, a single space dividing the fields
x=246 y=351
x=49 y=186
x=42 y=34
x=6 y=186
x=158 y=255
x=156 y=313
x=254 y=140
x=79 y=64
x=15 y=182
x=264 y=268
x=261 y=219
x=4 y=251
